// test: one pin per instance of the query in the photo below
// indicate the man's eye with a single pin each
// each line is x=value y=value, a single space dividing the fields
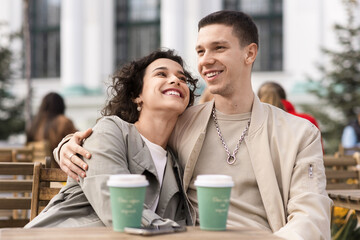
x=200 y=52
x=219 y=47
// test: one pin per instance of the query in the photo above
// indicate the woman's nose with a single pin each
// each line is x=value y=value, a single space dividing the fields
x=175 y=80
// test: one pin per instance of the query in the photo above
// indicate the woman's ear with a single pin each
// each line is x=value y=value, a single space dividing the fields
x=138 y=102
x=251 y=53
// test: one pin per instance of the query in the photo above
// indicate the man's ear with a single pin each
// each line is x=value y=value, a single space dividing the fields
x=251 y=53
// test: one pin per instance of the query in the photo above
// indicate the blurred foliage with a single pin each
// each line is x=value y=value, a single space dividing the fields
x=11 y=108
x=339 y=86
x=344 y=224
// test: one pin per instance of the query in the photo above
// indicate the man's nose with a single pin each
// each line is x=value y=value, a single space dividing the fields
x=206 y=59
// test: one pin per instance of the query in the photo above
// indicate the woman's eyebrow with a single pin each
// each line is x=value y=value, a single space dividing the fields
x=160 y=68
x=165 y=68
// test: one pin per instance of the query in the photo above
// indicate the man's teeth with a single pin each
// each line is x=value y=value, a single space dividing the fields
x=173 y=93
x=212 y=74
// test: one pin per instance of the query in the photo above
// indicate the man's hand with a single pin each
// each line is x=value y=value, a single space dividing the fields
x=70 y=163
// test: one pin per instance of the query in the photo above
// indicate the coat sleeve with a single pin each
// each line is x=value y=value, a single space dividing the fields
x=309 y=207
x=108 y=149
x=56 y=152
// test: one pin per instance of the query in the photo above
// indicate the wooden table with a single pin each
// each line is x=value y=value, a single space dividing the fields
x=347 y=198
x=104 y=233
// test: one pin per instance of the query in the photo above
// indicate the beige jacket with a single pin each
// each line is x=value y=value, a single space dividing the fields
x=287 y=160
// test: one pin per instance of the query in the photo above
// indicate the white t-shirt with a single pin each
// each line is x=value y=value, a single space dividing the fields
x=159 y=156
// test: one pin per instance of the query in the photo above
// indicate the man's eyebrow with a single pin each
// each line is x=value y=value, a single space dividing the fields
x=213 y=43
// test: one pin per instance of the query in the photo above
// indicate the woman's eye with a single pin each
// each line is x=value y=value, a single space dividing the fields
x=162 y=74
x=184 y=79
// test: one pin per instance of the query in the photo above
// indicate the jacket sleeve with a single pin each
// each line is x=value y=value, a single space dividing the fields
x=56 y=151
x=308 y=207
x=108 y=151
x=108 y=147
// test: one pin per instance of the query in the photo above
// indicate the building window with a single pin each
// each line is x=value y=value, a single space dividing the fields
x=268 y=16
x=137 y=29
x=45 y=38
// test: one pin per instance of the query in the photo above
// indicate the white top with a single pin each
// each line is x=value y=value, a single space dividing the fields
x=159 y=156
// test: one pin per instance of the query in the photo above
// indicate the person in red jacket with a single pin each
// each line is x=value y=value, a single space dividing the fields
x=273 y=88
x=287 y=106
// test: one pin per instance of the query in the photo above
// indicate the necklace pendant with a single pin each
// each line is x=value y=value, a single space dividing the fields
x=231 y=159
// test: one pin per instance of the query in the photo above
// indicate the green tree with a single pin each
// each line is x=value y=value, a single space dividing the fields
x=11 y=109
x=339 y=87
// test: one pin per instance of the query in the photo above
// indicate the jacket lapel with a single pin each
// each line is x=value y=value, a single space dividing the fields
x=263 y=167
x=199 y=136
x=169 y=187
x=140 y=162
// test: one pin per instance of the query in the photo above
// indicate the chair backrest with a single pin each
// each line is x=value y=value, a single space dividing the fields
x=342 y=172
x=15 y=188
x=6 y=155
x=41 y=150
x=342 y=151
x=25 y=154
x=21 y=154
x=44 y=186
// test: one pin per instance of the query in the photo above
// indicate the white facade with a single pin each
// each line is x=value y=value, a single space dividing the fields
x=87 y=50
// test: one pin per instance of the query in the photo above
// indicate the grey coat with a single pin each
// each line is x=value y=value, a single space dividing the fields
x=117 y=148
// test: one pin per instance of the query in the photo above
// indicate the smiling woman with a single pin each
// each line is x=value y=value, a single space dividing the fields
x=147 y=96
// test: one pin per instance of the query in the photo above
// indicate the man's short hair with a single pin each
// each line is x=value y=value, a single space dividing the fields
x=244 y=27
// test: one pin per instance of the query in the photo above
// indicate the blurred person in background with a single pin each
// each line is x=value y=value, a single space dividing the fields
x=287 y=106
x=206 y=96
x=50 y=123
x=268 y=93
x=351 y=134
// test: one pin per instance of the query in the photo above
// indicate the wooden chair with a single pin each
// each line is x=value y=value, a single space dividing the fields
x=25 y=154
x=22 y=154
x=342 y=172
x=11 y=185
x=345 y=151
x=5 y=155
x=43 y=189
x=41 y=150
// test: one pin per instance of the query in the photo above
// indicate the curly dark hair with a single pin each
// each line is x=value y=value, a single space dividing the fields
x=127 y=84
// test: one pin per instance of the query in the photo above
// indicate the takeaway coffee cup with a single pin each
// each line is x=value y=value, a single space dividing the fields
x=127 y=195
x=213 y=192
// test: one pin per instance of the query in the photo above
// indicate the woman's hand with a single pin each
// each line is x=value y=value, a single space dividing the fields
x=70 y=163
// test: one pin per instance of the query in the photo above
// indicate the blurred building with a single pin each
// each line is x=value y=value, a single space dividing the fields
x=77 y=44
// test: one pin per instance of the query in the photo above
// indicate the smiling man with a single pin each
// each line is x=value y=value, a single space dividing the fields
x=275 y=159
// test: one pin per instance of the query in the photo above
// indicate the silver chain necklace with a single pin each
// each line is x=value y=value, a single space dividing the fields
x=231 y=159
